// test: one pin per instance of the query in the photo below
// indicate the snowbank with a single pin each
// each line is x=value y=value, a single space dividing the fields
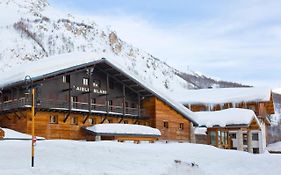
x=232 y=116
x=274 y=148
x=14 y=135
x=223 y=95
x=113 y=158
x=124 y=129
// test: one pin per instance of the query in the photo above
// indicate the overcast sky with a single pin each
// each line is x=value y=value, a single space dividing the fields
x=235 y=40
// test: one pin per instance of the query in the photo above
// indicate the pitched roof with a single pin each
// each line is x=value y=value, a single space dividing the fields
x=48 y=67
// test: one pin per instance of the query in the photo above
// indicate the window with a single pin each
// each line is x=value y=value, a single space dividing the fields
x=166 y=124
x=74 y=120
x=213 y=138
x=94 y=102
x=86 y=81
x=232 y=135
x=245 y=139
x=255 y=136
x=111 y=84
x=66 y=78
x=181 y=126
x=133 y=105
x=97 y=83
x=256 y=150
x=126 y=107
x=110 y=103
x=54 y=119
x=74 y=101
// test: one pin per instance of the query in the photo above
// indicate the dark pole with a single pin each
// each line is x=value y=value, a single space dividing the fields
x=28 y=79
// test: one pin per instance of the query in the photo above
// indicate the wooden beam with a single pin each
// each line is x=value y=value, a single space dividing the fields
x=136 y=121
x=107 y=92
x=121 y=120
x=69 y=96
x=66 y=117
x=17 y=115
x=139 y=105
x=86 y=118
x=103 y=120
x=124 y=100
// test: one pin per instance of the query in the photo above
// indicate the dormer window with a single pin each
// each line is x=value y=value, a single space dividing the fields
x=86 y=81
x=66 y=78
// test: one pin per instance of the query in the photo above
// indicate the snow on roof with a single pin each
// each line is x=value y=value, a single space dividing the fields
x=227 y=117
x=14 y=135
x=168 y=97
x=124 y=129
x=224 y=95
x=46 y=66
x=277 y=91
x=200 y=131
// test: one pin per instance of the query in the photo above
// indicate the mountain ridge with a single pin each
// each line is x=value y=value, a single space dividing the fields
x=37 y=30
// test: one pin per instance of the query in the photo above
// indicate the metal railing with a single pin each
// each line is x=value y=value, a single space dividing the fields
x=75 y=106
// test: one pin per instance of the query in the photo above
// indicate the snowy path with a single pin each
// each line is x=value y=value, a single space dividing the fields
x=73 y=157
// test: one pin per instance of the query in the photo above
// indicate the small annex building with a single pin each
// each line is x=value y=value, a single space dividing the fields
x=77 y=91
x=232 y=128
x=123 y=132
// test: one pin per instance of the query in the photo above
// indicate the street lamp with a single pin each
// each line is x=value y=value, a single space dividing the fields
x=28 y=80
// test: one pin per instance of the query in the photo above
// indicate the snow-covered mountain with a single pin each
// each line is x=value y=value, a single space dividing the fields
x=32 y=29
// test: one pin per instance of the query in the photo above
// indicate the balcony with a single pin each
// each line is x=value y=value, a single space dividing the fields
x=47 y=104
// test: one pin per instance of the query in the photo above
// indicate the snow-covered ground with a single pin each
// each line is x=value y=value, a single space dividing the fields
x=14 y=135
x=79 y=157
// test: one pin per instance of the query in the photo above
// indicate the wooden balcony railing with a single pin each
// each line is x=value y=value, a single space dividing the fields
x=75 y=106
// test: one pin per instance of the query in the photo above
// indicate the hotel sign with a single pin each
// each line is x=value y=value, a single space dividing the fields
x=86 y=89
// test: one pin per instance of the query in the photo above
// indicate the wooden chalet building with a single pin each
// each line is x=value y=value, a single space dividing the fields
x=259 y=100
x=81 y=94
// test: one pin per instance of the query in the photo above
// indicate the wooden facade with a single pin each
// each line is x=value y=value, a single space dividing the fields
x=173 y=126
x=69 y=100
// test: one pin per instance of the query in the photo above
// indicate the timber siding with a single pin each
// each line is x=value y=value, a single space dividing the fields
x=60 y=129
x=161 y=113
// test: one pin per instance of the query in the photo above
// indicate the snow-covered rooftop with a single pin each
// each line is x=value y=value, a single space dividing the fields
x=227 y=117
x=200 y=131
x=45 y=66
x=124 y=129
x=223 y=95
x=274 y=147
x=277 y=91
